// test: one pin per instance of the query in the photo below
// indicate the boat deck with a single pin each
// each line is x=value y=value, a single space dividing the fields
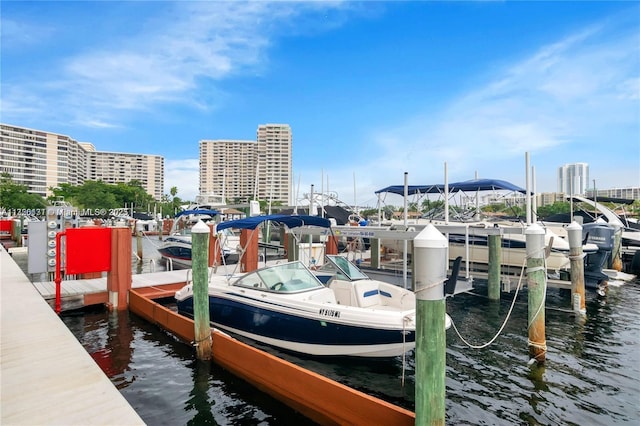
x=47 y=376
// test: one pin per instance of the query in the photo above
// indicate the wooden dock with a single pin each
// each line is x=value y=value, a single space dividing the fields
x=78 y=293
x=47 y=376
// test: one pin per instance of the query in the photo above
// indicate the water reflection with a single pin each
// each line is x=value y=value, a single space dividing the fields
x=590 y=376
x=199 y=395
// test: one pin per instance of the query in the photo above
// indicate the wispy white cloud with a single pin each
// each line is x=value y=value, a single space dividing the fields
x=18 y=34
x=175 y=56
x=568 y=95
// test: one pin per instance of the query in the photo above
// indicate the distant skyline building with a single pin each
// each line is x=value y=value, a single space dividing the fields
x=630 y=193
x=243 y=170
x=228 y=168
x=274 y=162
x=40 y=160
x=573 y=178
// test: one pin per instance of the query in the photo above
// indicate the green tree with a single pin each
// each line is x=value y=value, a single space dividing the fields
x=429 y=205
x=100 y=195
x=555 y=208
x=14 y=196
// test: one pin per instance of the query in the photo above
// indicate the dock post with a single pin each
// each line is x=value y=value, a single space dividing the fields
x=139 y=245
x=616 y=253
x=374 y=244
x=119 y=277
x=200 y=268
x=249 y=242
x=331 y=245
x=577 y=268
x=19 y=228
x=537 y=286
x=292 y=247
x=495 y=259
x=215 y=251
x=430 y=266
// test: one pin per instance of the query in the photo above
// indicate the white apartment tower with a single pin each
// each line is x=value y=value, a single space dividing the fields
x=41 y=160
x=38 y=159
x=117 y=167
x=573 y=178
x=227 y=168
x=242 y=170
x=274 y=162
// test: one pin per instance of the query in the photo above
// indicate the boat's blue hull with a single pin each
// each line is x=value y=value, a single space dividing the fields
x=272 y=326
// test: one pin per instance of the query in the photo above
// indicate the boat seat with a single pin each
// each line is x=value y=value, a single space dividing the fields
x=344 y=292
x=367 y=293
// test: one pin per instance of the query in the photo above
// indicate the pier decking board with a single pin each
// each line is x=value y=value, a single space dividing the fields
x=76 y=294
x=47 y=376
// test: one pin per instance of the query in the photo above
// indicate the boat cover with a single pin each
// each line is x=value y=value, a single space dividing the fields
x=200 y=211
x=465 y=186
x=291 y=221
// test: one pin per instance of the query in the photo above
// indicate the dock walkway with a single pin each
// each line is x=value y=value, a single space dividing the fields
x=47 y=376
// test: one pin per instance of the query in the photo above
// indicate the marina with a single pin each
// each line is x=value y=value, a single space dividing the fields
x=187 y=237
x=590 y=375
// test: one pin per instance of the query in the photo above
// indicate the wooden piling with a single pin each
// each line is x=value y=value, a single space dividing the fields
x=200 y=268
x=292 y=247
x=374 y=244
x=139 y=245
x=249 y=243
x=537 y=285
x=215 y=250
x=577 y=268
x=331 y=245
x=20 y=227
x=119 y=277
x=616 y=253
x=495 y=259
x=430 y=250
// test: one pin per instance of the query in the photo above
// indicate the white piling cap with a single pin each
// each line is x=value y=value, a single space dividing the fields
x=574 y=231
x=534 y=229
x=430 y=237
x=574 y=226
x=200 y=228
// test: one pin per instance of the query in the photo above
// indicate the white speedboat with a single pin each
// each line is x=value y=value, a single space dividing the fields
x=287 y=306
x=177 y=245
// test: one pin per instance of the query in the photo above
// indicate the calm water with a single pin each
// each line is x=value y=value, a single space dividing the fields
x=591 y=377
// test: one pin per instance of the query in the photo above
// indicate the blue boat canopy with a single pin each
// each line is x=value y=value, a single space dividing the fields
x=201 y=212
x=465 y=186
x=292 y=221
x=413 y=189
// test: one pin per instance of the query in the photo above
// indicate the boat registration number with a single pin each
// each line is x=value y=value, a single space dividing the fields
x=329 y=313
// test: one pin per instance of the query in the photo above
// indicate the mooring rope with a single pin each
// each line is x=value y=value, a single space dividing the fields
x=505 y=320
x=430 y=286
x=196 y=343
x=150 y=240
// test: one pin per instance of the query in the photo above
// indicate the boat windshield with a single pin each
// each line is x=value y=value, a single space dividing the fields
x=342 y=268
x=284 y=278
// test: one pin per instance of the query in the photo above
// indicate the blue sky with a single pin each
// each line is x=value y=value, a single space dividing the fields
x=371 y=89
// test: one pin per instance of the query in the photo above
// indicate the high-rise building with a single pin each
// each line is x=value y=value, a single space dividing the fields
x=40 y=160
x=117 y=167
x=241 y=170
x=573 y=178
x=228 y=168
x=274 y=162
